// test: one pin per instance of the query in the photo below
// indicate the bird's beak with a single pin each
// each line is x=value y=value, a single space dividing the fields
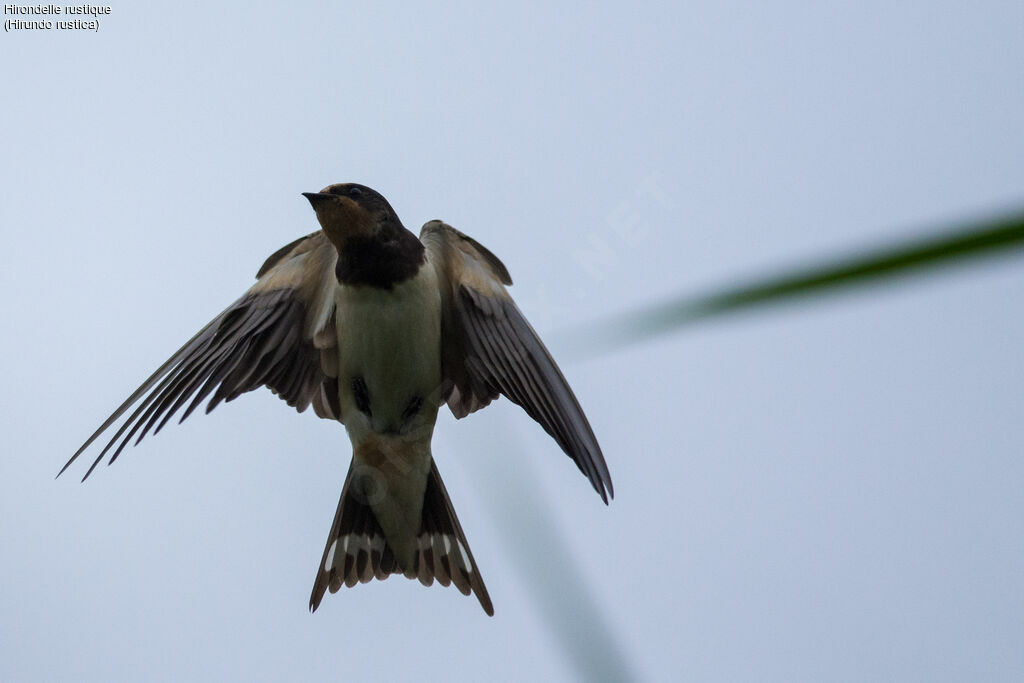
x=317 y=198
x=340 y=217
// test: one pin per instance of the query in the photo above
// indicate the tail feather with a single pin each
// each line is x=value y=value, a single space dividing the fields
x=357 y=549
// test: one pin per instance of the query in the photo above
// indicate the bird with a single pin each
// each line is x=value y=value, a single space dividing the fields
x=376 y=329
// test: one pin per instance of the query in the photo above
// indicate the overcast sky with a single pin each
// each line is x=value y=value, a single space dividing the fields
x=825 y=491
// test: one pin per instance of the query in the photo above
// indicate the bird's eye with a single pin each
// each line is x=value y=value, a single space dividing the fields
x=355 y=192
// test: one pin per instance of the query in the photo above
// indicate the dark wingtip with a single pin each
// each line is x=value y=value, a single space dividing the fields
x=64 y=469
x=94 y=464
x=604 y=488
x=71 y=461
x=314 y=601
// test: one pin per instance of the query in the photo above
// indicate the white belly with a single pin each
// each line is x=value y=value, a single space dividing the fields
x=391 y=340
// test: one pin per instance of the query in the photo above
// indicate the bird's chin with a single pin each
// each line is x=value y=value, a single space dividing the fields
x=343 y=220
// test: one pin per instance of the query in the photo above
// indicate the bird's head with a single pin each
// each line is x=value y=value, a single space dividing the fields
x=350 y=210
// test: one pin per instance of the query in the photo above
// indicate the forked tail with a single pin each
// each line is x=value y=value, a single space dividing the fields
x=357 y=550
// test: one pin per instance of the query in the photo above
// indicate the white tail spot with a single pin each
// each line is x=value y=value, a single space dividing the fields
x=329 y=562
x=465 y=556
x=377 y=543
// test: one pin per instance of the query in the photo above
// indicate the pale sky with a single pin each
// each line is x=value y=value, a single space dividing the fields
x=826 y=491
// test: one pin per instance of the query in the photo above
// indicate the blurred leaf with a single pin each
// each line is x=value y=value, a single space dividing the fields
x=1001 y=236
x=552 y=575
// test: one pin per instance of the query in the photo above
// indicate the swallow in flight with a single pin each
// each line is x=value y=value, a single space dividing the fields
x=376 y=329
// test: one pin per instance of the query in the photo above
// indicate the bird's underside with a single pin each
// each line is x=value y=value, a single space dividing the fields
x=299 y=331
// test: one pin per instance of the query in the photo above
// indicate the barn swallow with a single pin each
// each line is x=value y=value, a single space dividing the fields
x=376 y=329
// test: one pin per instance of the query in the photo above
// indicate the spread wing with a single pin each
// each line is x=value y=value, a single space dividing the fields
x=489 y=349
x=279 y=334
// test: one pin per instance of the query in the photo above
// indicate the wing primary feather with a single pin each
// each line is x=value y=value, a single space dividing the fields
x=523 y=367
x=187 y=377
x=186 y=385
x=266 y=337
x=206 y=370
x=488 y=333
x=501 y=353
x=565 y=422
x=155 y=377
x=582 y=431
x=540 y=404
